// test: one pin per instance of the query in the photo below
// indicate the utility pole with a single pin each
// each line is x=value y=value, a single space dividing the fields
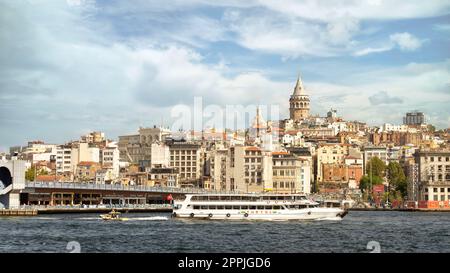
x=389 y=184
x=370 y=186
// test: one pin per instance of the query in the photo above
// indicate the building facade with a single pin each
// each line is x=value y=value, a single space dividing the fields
x=434 y=174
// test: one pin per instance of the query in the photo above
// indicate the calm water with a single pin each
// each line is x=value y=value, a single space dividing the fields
x=395 y=232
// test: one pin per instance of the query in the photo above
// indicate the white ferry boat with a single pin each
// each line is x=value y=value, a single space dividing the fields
x=254 y=207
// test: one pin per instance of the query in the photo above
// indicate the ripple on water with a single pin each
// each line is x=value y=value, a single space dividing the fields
x=395 y=231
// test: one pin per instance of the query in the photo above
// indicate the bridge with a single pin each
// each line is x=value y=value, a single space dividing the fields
x=77 y=193
x=15 y=192
x=32 y=186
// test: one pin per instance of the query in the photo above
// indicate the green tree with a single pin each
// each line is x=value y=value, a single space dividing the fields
x=30 y=174
x=364 y=183
x=396 y=178
x=375 y=167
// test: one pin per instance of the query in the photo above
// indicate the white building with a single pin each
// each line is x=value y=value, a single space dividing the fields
x=83 y=152
x=63 y=159
x=110 y=158
x=160 y=155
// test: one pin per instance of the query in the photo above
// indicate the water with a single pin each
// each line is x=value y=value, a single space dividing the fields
x=394 y=231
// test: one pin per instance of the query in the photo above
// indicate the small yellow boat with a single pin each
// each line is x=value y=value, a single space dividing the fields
x=112 y=216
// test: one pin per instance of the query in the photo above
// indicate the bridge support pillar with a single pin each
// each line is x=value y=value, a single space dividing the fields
x=12 y=182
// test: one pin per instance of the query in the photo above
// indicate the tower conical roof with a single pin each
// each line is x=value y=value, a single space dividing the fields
x=299 y=89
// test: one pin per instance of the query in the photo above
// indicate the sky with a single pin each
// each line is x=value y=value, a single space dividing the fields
x=74 y=66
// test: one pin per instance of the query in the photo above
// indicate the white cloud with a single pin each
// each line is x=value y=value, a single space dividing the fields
x=291 y=37
x=422 y=86
x=371 y=50
x=441 y=27
x=77 y=74
x=364 y=10
x=406 y=41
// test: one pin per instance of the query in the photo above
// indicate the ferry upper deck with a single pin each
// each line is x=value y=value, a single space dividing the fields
x=248 y=197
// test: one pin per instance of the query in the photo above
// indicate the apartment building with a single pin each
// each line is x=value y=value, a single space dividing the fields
x=291 y=174
x=63 y=159
x=249 y=169
x=216 y=165
x=138 y=147
x=434 y=174
x=330 y=153
x=187 y=159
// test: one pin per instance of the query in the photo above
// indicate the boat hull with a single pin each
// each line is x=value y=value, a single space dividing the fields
x=306 y=214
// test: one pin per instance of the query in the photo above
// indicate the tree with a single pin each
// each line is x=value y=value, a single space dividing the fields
x=375 y=167
x=30 y=174
x=364 y=183
x=397 y=178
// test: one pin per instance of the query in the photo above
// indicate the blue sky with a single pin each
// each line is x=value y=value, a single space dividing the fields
x=69 y=67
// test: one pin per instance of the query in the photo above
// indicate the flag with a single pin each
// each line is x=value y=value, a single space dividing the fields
x=169 y=197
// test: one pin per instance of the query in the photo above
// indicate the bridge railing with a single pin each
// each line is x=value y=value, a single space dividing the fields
x=102 y=206
x=116 y=187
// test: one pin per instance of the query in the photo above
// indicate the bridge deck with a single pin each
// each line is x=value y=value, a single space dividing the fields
x=113 y=187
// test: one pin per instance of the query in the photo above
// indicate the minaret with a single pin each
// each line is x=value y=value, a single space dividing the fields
x=299 y=102
x=259 y=124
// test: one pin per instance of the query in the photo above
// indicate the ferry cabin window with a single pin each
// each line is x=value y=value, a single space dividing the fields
x=204 y=207
x=236 y=198
x=220 y=207
x=260 y=207
x=252 y=207
x=236 y=207
x=196 y=207
x=298 y=206
x=276 y=207
x=244 y=207
x=225 y=198
x=228 y=207
x=214 y=198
